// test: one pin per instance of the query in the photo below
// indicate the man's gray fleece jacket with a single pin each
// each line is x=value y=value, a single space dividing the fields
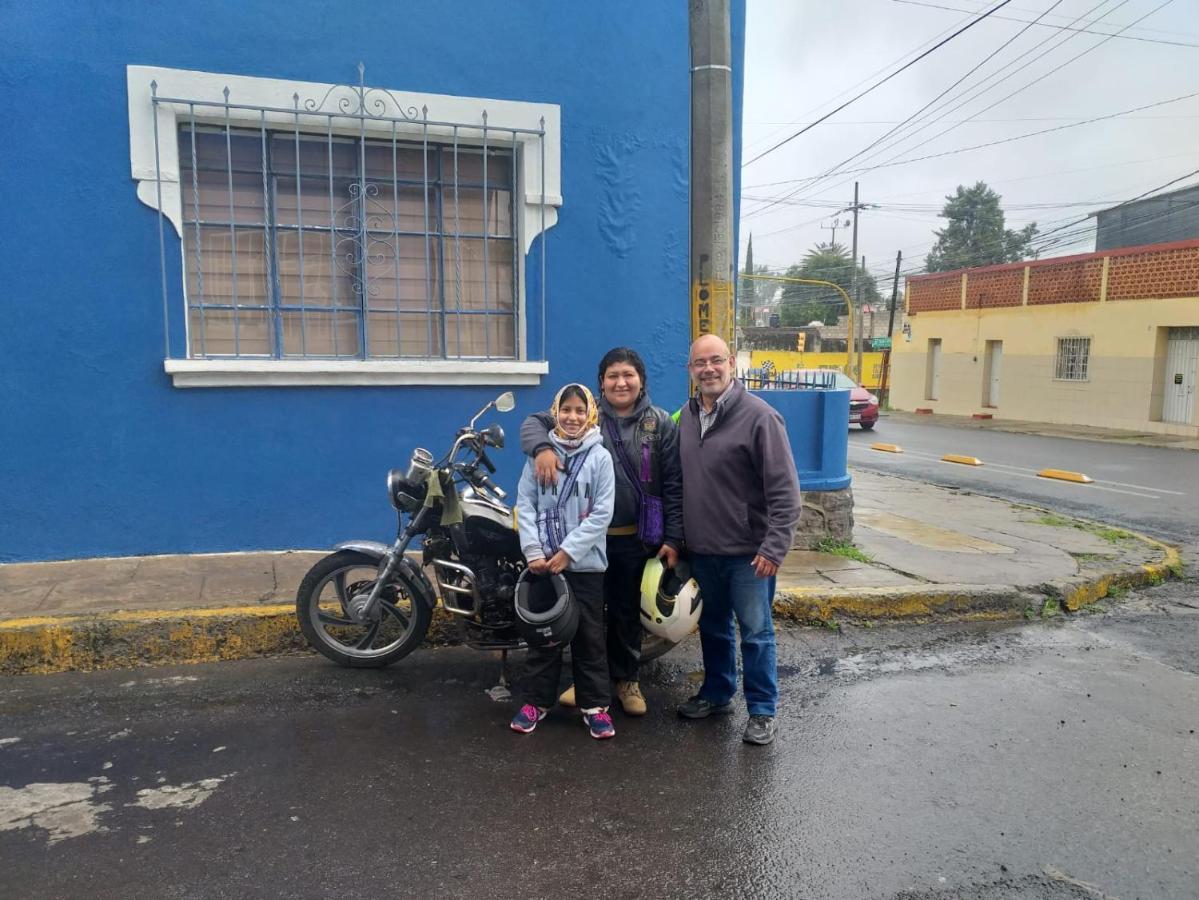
x=740 y=489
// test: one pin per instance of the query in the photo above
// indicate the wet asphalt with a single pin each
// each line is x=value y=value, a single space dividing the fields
x=1149 y=489
x=1051 y=759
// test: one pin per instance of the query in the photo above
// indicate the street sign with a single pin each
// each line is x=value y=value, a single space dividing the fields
x=883 y=343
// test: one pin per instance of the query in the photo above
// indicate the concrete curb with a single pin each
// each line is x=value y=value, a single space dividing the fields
x=165 y=637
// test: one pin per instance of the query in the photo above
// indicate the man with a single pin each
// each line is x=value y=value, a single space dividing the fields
x=740 y=506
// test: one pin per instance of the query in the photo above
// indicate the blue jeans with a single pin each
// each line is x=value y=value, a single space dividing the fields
x=730 y=588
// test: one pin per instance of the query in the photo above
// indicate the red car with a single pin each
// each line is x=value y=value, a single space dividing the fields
x=863 y=405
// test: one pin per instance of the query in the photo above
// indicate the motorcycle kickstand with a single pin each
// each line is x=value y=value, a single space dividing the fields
x=502 y=691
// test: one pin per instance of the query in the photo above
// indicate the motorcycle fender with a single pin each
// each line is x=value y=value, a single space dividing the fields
x=379 y=550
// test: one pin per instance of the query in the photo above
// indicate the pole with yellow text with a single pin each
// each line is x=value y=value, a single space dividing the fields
x=711 y=259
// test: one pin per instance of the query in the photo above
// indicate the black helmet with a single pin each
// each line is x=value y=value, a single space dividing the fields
x=546 y=612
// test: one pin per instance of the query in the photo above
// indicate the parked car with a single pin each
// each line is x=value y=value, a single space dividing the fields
x=863 y=405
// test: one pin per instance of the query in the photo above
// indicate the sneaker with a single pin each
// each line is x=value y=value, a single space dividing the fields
x=760 y=730
x=699 y=708
x=631 y=701
x=599 y=723
x=528 y=717
x=567 y=697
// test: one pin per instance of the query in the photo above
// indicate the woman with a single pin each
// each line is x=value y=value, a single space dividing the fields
x=643 y=441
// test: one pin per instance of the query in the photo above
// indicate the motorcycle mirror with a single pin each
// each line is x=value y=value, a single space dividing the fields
x=505 y=402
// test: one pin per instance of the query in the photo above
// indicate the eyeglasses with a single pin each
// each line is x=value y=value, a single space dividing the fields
x=714 y=361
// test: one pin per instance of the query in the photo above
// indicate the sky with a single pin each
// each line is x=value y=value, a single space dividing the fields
x=804 y=58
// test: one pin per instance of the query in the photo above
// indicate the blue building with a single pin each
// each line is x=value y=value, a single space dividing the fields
x=245 y=274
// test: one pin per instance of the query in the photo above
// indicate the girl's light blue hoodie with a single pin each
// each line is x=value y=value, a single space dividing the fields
x=585 y=513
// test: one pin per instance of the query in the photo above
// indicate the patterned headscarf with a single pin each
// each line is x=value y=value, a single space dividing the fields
x=572 y=441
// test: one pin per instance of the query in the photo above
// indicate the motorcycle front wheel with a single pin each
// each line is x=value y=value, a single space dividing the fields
x=326 y=600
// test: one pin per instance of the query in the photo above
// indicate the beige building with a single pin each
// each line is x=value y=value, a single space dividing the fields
x=1108 y=339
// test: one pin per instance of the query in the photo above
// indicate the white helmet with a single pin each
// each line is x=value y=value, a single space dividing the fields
x=670 y=600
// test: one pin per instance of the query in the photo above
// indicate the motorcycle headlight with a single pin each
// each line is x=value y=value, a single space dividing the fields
x=405 y=495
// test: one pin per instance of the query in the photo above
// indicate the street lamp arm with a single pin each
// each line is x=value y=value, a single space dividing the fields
x=857 y=376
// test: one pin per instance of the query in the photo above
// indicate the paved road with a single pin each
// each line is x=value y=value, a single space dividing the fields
x=978 y=762
x=1151 y=489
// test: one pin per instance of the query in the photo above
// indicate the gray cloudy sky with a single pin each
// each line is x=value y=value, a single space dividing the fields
x=804 y=57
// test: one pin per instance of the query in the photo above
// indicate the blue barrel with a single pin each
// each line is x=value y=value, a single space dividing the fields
x=818 y=428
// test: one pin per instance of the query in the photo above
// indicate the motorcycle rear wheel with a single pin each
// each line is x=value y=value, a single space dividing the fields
x=333 y=586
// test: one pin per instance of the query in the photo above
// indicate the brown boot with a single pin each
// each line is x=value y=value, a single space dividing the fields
x=567 y=697
x=631 y=701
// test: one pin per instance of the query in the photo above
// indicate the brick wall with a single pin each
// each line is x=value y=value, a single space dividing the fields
x=1075 y=281
x=988 y=289
x=1158 y=271
x=1154 y=275
x=934 y=292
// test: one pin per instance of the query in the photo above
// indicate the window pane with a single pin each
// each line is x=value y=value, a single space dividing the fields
x=470 y=166
x=313 y=156
x=212 y=332
x=420 y=334
x=408 y=162
x=499 y=284
x=402 y=282
x=326 y=281
x=320 y=334
x=242 y=153
x=477 y=335
x=221 y=270
x=466 y=215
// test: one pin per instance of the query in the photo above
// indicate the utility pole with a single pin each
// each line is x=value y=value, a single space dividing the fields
x=854 y=291
x=711 y=259
x=836 y=224
x=861 y=316
x=883 y=387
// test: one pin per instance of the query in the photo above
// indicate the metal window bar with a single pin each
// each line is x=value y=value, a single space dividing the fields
x=196 y=216
x=1073 y=356
x=355 y=221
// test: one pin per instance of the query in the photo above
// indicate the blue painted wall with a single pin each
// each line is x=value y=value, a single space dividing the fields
x=100 y=455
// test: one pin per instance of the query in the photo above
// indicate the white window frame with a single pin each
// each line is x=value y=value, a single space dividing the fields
x=148 y=169
x=1069 y=343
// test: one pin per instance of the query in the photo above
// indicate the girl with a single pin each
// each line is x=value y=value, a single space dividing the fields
x=582 y=556
x=649 y=474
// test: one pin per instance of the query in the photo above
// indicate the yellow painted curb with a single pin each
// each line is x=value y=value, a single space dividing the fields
x=962 y=460
x=887 y=448
x=1063 y=475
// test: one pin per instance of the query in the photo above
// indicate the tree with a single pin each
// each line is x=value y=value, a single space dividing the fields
x=975 y=235
x=806 y=303
x=751 y=292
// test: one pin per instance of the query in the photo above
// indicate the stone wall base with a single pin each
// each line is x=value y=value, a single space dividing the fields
x=826 y=514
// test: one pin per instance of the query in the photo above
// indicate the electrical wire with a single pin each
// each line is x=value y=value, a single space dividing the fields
x=1126 y=37
x=879 y=84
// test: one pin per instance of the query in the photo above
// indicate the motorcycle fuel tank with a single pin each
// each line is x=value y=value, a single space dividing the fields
x=490 y=529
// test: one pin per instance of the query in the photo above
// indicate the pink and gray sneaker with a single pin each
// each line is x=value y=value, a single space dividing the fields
x=599 y=723
x=528 y=717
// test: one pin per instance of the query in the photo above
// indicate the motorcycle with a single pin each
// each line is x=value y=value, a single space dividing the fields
x=369 y=604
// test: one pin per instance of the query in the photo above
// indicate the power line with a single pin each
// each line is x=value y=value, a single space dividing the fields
x=1126 y=37
x=986 y=59
x=1019 y=137
x=979 y=89
x=1042 y=77
x=878 y=84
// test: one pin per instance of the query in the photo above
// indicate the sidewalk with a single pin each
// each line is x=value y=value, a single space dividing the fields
x=1048 y=429
x=920 y=551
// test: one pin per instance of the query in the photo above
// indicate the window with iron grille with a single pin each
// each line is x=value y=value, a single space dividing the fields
x=345 y=234
x=305 y=245
x=1073 y=356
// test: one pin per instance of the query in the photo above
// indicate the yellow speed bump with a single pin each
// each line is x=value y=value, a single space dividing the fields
x=887 y=448
x=962 y=460
x=1063 y=475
